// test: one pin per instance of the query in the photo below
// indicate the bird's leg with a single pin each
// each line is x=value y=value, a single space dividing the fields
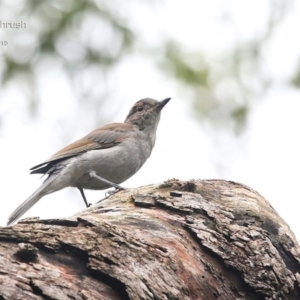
x=116 y=186
x=83 y=196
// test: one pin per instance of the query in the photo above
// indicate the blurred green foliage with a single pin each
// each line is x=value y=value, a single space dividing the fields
x=57 y=34
x=296 y=79
x=221 y=92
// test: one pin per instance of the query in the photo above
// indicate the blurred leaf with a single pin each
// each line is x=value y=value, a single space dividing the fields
x=189 y=68
x=295 y=81
x=239 y=115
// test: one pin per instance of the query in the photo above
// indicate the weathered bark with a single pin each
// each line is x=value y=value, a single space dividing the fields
x=203 y=239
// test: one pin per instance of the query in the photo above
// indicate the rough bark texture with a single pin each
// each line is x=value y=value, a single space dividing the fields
x=203 y=239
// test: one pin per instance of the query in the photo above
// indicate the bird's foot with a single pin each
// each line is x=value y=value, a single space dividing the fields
x=112 y=192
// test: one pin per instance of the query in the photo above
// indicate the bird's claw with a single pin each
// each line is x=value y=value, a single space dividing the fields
x=112 y=192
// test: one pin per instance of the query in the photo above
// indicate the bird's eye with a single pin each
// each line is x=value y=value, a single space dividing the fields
x=140 y=108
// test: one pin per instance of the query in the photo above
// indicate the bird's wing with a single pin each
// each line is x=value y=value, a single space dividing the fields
x=104 y=137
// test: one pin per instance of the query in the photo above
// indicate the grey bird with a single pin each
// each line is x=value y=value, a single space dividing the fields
x=104 y=158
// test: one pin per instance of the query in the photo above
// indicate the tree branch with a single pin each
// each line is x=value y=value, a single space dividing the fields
x=202 y=239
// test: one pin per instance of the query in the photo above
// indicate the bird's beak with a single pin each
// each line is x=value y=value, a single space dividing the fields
x=162 y=103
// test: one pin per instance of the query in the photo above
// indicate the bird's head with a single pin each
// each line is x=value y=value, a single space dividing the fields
x=145 y=113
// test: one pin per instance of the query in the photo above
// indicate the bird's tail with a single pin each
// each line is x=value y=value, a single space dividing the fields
x=26 y=205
